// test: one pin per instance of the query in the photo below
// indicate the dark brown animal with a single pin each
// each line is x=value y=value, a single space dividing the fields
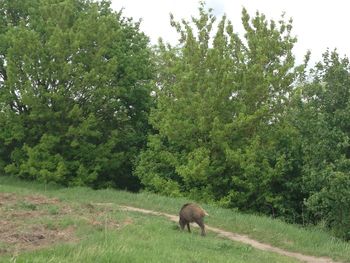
x=192 y=213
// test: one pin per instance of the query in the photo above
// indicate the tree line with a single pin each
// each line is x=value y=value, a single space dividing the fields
x=219 y=117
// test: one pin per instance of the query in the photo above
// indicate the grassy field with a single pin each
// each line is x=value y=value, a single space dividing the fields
x=53 y=224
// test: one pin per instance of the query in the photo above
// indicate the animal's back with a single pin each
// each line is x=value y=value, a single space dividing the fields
x=191 y=212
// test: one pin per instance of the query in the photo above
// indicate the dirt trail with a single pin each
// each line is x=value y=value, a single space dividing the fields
x=241 y=238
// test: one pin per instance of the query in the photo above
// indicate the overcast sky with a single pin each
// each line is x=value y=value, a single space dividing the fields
x=318 y=24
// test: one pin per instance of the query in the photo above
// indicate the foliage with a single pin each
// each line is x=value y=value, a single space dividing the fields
x=323 y=121
x=74 y=92
x=220 y=132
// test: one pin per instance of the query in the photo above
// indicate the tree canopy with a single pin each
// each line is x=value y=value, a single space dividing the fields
x=74 y=95
x=218 y=118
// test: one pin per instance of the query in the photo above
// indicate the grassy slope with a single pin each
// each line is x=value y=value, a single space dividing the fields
x=154 y=239
x=149 y=239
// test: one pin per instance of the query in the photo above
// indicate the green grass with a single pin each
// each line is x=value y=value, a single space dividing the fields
x=148 y=238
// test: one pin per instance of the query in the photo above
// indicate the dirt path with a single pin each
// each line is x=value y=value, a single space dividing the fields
x=241 y=238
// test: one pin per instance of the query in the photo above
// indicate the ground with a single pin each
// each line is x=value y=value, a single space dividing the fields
x=30 y=222
x=35 y=221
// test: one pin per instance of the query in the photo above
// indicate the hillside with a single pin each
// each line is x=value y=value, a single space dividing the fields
x=48 y=223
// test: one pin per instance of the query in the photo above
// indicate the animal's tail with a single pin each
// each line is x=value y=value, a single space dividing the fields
x=205 y=212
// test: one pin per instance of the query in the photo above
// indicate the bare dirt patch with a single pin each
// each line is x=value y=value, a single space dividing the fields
x=8 y=198
x=19 y=230
x=34 y=237
x=33 y=222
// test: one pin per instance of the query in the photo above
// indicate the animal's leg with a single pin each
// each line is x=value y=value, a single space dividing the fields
x=201 y=224
x=188 y=227
x=182 y=224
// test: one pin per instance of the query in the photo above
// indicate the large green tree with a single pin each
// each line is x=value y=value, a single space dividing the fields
x=323 y=120
x=74 y=92
x=220 y=133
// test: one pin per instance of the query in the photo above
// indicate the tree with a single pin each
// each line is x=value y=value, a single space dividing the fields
x=75 y=81
x=323 y=122
x=219 y=116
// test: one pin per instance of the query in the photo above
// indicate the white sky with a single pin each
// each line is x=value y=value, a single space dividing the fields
x=318 y=24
